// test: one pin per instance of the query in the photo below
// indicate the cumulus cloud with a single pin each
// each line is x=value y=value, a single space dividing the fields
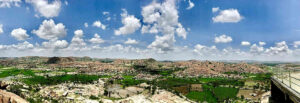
x=86 y=24
x=162 y=18
x=245 y=43
x=149 y=29
x=205 y=51
x=130 y=24
x=49 y=30
x=163 y=43
x=215 y=9
x=261 y=43
x=131 y=41
x=9 y=3
x=255 y=49
x=77 y=42
x=99 y=25
x=19 y=34
x=181 y=32
x=281 y=48
x=1 y=29
x=191 y=5
x=45 y=8
x=55 y=44
x=96 y=39
x=223 y=39
x=296 y=44
x=22 y=46
x=228 y=16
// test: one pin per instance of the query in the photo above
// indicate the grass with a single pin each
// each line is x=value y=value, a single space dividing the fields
x=202 y=96
x=15 y=71
x=174 y=82
x=206 y=80
x=258 y=76
x=223 y=93
x=129 y=81
x=128 y=76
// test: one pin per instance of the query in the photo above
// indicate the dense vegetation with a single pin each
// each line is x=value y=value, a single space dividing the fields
x=225 y=93
x=202 y=96
x=212 y=90
x=129 y=81
x=213 y=94
x=15 y=71
x=79 y=78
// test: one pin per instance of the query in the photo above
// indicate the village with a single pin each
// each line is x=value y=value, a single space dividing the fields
x=92 y=80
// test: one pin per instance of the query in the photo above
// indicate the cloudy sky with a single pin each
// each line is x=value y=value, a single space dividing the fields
x=160 y=29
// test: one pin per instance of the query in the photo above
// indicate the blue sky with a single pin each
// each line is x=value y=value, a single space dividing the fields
x=275 y=24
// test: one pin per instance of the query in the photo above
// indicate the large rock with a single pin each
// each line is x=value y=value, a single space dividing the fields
x=7 y=97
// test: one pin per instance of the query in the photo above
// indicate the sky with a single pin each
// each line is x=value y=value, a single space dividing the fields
x=161 y=29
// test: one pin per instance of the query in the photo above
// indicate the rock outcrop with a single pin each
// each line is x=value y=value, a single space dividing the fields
x=7 y=97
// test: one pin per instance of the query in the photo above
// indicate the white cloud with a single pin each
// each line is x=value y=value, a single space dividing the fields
x=181 y=32
x=96 y=39
x=77 y=42
x=45 y=8
x=223 y=39
x=163 y=43
x=206 y=52
x=201 y=49
x=162 y=18
x=22 y=46
x=228 y=16
x=281 y=48
x=296 y=44
x=198 y=52
x=215 y=9
x=99 y=25
x=1 y=29
x=105 y=13
x=191 y=5
x=149 y=29
x=245 y=43
x=86 y=24
x=255 y=49
x=49 y=30
x=55 y=44
x=130 y=24
x=261 y=43
x=131 y=41
x=9 y=3
x=19 y=34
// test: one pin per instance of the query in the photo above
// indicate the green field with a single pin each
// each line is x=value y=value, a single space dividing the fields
x=15 y=71
x=80 y=78
x=129 y=81
x=202 y=96
x=223 y=93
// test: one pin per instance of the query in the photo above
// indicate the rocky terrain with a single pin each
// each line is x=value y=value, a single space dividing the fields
x=8 y=97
